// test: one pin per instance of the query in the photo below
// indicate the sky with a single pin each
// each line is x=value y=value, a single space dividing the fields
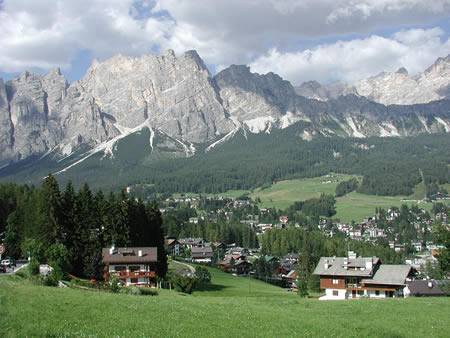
x=301 y=40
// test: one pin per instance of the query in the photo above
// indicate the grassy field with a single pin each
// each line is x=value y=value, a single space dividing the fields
x=354 y=206
x=232 y=307
x=284 y=193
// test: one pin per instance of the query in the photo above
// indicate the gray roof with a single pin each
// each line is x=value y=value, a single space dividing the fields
x=130 y=255
x=202 y=252
x=356 y=266
x=421 y=288
x=388 y=274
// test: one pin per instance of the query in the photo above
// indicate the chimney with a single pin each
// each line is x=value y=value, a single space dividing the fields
x=369 y=264
x=140 y=253
x=111 y=249
x=345 y=263
x=351 y=255
x=430 y=284
x=326 y=265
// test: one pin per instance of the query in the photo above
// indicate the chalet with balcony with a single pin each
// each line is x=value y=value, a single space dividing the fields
x=202 y=254
x=356 y=277
x=132 y=265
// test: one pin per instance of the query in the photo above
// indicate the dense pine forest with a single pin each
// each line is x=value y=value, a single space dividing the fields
x=388 y=166
x=69 y=228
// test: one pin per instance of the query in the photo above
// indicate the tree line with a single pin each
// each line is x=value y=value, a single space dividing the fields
x=69 y=228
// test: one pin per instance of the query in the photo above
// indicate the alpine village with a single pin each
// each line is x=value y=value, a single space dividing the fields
x=263 y=168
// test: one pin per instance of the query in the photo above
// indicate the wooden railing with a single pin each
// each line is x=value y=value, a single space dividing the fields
x=135 y=274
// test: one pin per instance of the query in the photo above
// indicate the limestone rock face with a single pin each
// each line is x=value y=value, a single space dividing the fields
x=249 y=95
x=175 y=94
x=401 y=88
x=314 y=90
x=35 y=130
x=6 y=131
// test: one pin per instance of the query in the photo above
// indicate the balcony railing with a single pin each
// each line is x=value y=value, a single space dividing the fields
x=354 y=286
x=135 y=274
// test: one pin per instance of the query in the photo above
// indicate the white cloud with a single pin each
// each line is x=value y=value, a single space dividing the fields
x=49 y=33
x=352 y=60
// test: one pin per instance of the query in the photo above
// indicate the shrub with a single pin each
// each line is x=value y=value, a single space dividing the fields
x=148 y=292
x=203 y=276
x=184 y=284
x=53 y=277
x=113 y=284
x=33 y=267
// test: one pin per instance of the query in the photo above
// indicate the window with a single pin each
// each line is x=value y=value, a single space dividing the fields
x=377 y=292
x=361 y=292
x=134 y=280
x=335 y=293
x=134 y=268
x=335 y=281
x=120 y=268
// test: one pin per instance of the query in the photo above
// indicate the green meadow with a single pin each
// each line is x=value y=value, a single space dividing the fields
x=354 y=206
x=231 y=307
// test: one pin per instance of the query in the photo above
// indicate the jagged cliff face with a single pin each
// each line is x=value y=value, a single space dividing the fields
x=30 y=123
x=390 y=87
x=174 y=94
x=182 y=105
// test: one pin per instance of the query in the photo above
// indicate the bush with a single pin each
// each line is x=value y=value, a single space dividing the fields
x=113 y=284
x=53 y=277
x=203 y=276
x=184 y=284
x=33 y=267
x=131 y=290
x=148 y=292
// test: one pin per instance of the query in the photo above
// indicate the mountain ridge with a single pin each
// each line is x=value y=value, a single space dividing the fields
x=177 y=97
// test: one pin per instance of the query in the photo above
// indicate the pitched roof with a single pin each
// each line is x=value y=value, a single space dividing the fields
x=130 y=255
x=389 y=274
x=337 y=266
x=422 y=288
x=201 y=252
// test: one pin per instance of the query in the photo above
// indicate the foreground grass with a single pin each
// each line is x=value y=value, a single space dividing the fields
x=228 y=309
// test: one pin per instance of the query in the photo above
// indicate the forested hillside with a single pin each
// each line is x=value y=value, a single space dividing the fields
x=389 y=166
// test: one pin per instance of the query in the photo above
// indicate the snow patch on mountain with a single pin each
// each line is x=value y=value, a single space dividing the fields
x=387 y=129
x=289 y=119
x=443 y=123
x=260 y=124
x=223 y=139
x=352 y=125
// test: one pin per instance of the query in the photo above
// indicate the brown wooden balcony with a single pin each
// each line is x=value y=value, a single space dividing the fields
x=135 y=274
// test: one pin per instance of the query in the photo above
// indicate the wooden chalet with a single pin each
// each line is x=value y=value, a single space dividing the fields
x=132 y=265
x=356 y=277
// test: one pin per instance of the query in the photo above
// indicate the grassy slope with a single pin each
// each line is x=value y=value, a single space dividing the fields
x=227 y=310
x=282 y=194
x=354 y=206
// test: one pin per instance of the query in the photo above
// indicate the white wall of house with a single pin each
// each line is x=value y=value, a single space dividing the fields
x=334 y=294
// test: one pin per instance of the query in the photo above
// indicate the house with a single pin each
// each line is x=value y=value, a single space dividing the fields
x=424 y=288
x=284 y=219
x=356 y=277
x=172 y=246
x=235 y=264
x=132 y=265
x=290 y=279
x=417 y=246
x=202 y=254
x=189 y=243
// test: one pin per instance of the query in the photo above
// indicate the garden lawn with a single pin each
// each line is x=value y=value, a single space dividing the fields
x=228 y=309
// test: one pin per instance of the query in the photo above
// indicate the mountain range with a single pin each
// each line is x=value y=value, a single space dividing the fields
x=185 y=109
